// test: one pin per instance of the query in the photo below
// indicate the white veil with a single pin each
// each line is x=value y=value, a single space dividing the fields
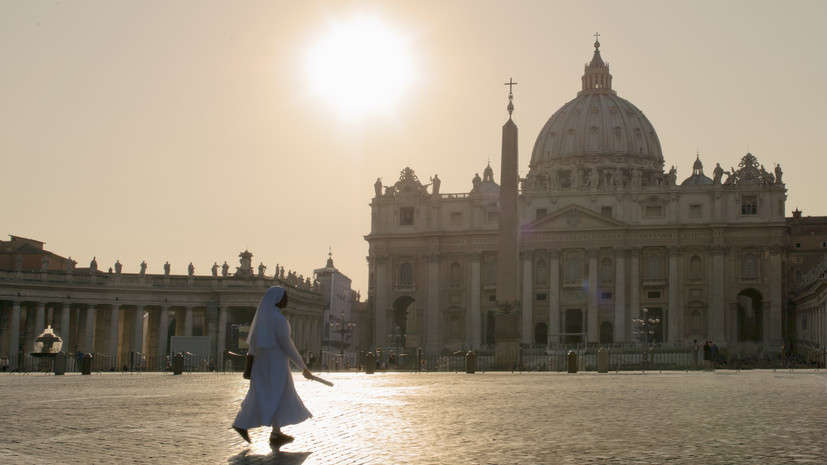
x=261 y=334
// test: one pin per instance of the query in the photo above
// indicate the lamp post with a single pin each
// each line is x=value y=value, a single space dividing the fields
x=394 y=338
x=644 y=329
x=342 y=327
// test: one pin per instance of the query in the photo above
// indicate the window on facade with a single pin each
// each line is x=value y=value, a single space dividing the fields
x=406 y=275
x=574 y=268
x=695 y=269
x=541 y=296
x=606 y=270
x=493 y=216
x=749 y=205
x=456 y=218
x=540 y=213
x=749 y=267
x=654 y=269
x=653 y=211
x=406 y=216
x=606 y=211
x=653 y=294
x=542 y=272
x=606 y=296
x=798 y=245
x=492 y=272
x=695 y=211
x=456 y=275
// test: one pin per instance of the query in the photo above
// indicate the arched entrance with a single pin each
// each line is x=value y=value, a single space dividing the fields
x=606 y=332
x=541 y=334
x=404 y=311
x=750 y=316
x=574 y=326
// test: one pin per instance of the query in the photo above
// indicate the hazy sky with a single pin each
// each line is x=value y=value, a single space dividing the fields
x=189 y=131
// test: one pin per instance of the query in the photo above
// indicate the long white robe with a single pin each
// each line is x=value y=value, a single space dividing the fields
x=272 y=399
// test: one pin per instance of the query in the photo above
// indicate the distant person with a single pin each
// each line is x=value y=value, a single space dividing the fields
x=707 y=357
x=272 y=399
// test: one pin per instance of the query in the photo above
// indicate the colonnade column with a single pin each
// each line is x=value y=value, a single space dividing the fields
x=114 y=334
x=527 y=303
x=592 y=320
x=89 y=333
x=188 y=321
x=138 y=330
x=40 y=319
x=634 y=282
x=620 y=296
x=163 y=330
x=432 y=320
x=475 y=326
x=554 y=298
x=65 y=321
x=14 y=335
x=673 y=313
x=718 y=306
x=222 y=337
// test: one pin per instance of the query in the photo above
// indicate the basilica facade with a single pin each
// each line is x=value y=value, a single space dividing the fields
x=605 y=230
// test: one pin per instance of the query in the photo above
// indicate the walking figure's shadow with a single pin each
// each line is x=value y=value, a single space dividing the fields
x=275 y=457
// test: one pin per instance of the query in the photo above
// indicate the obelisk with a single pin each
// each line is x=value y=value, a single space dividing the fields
x=507 y=320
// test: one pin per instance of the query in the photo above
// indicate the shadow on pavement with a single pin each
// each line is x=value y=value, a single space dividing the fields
x=275 y=457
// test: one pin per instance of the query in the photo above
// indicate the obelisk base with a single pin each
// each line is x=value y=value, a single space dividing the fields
x=506 y=341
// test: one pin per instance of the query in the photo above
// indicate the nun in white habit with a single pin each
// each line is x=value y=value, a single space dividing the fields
x=272 y=399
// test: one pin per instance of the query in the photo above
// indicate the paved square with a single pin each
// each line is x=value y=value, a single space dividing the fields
x=434 y=418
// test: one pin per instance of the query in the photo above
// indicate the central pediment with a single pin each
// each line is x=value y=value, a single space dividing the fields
x=573 y=218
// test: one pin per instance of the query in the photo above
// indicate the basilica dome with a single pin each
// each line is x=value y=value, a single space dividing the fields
x=597 y=128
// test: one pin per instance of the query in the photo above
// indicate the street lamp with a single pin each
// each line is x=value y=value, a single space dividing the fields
x=341 y=326
x=644 y=329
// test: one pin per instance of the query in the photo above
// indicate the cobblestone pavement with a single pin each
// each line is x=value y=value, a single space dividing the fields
x=758 y=417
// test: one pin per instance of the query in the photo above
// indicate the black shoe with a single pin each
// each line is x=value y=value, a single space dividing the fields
x=242 y=432
x=280 y=439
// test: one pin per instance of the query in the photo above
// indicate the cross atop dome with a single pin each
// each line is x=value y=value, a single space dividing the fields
x=510 y=85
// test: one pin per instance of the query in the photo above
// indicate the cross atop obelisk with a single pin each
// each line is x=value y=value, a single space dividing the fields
x=510 y=85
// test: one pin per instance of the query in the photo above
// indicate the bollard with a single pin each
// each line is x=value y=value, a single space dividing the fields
x=602 y=360
x=571 y=360
x=470 y=362
x=178 y=364
x=86 y=364
x=370 y=363
x=60 y=363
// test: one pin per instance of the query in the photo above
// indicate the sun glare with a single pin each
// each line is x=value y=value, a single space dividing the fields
x=360 y=67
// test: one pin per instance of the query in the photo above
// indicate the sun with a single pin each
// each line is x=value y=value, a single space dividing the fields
x=361 y=67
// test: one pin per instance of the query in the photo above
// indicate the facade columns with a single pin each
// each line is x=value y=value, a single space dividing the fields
x=634 y=283
x=773 y=334
x=188 y=321
x=527 y=300
x=673 y=314
x=620 y=296
x=14 y=335
x=717 y=309
x=163 y=331
x=381 y=274
x=476 y=311
x=432 y=319
x=592 y=317
x=222 y=336
x=554 y=297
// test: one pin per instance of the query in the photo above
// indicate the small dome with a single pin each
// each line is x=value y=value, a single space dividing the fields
x=698 y=178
